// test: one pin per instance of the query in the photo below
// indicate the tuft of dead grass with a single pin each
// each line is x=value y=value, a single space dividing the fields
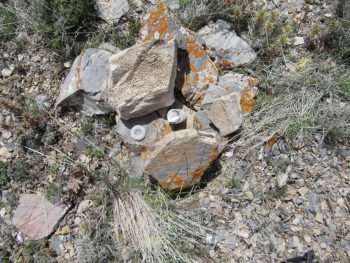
x=301 y=98
x=156 y=234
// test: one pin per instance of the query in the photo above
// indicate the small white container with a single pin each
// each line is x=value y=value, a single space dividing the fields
x=138 y=133
x=176 y=116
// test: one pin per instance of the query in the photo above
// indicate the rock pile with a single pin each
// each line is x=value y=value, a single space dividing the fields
x=171 y=141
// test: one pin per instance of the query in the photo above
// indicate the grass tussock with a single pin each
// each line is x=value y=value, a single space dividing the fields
x=61 y=24
x=160 y=235
x=301 y=99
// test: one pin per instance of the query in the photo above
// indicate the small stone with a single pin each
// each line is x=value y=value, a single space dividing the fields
x=223 y=43
x=282 y=180
x=4 y=152
x=112 y=10
x=303 y=190
x=67 y=64
x=6 y=134
x=244 y=233
x=142 y=78
x=249 y=195
x=7 y=72
x=319 y=218
x=307 y=239
x=298 y=41
x=226 y=113
x=84 y=206
x=10 y=146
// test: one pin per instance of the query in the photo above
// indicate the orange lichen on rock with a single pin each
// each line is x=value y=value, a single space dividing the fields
x=196 y=70
x=157 y=23
x=271 y=142
x=249 y=95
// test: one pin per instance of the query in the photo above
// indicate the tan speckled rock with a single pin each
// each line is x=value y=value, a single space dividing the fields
x=180 y=159
x=141 y=78
x=226 y=113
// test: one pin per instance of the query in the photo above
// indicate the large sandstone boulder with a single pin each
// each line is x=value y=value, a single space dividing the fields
x=142 y=78
x=223 y=43
x=86 y=82
x=226 y=113
x=181 y=157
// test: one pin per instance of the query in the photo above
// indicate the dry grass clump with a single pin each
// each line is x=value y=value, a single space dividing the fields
x=153 y=232
x=301 y=99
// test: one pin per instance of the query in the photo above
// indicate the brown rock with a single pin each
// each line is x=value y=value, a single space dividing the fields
x=141 y=78
x=226 y=113
x=181 y=157
x=37 y=217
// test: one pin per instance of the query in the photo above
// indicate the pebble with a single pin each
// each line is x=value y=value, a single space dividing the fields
x=282 y=180
x=4 y=152
x=303 y=190
x=319 y=218
x=7 y=72
x=6 y=134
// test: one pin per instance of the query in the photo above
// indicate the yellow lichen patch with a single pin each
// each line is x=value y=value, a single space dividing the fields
x=156 y=25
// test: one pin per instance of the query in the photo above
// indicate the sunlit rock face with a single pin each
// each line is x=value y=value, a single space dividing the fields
x=141 y=78
x=181 y=157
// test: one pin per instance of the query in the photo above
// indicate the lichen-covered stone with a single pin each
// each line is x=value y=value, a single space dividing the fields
x=196 y=70
x=244 y=85
x=223 y=43
x=86 y=82
x=142 y=78
x=226 y=113
x=181 y=157
x=158 y=24
x=112 y=10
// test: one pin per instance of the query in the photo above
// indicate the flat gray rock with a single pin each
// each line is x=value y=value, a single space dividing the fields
x=142 y=78
x=112 y=10
x=86 y=82
x=226 y=113
x=155 y=128
x=213 y=92
x=223 y=43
